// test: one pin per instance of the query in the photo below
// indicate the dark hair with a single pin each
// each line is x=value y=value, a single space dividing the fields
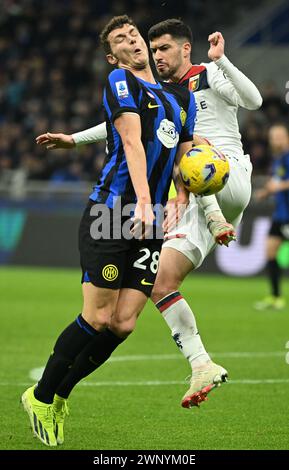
x=176 y=28
x=114 y=23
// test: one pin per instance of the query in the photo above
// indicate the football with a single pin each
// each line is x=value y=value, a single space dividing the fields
x=204 y=170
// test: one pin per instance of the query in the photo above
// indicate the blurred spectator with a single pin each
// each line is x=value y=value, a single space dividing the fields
x=274 y=105
x=52 y=73
x=256 y=125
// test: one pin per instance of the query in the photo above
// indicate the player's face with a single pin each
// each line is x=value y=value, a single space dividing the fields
x=279 y=139
x=128 y=48
x=170 y=56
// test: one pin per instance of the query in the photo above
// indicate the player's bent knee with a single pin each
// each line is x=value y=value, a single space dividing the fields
x=122 y=328
x=99 y=320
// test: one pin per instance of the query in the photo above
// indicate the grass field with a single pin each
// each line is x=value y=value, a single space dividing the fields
x=133 y=402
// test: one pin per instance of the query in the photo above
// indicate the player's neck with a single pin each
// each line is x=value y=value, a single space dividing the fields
x=181 y=72
x=145 y=73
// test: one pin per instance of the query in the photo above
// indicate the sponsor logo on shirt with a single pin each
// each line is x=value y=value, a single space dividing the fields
x=168 y=134
x=122 y=89
x=201 y=105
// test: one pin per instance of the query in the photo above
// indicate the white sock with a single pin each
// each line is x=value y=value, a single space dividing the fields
x=182 y=323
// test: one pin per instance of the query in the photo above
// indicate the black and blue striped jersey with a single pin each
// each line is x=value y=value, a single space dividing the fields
x=280 y=172
x=167 y=112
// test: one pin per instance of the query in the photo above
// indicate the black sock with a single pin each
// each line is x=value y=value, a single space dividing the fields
x=68 y=345
x=274 y=276
x=91 y=357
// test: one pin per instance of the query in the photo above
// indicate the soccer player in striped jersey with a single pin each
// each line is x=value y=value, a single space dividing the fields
x=277 y=186
x=149 y=125
x=220 y=88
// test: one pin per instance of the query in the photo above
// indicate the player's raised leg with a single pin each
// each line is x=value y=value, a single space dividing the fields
x=174 y=267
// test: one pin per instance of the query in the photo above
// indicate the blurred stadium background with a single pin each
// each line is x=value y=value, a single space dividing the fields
x=52 y=71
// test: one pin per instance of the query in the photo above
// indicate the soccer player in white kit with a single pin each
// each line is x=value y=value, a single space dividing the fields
x=219 y=88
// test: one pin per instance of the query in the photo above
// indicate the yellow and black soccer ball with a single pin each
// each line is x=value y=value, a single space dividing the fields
x=204 y=170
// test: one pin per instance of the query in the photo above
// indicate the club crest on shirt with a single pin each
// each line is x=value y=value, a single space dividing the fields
x=122 y=89
x=168 y=134
x=194 y=83
x=183 y=116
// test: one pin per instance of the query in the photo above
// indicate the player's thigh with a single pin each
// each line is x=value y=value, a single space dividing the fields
x=273 y=243
x=235 y=196
x=142 y=265
x=173 y=268
x=130 y=303
x=103 y=263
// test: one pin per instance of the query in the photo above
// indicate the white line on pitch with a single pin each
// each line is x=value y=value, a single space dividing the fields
x=168 y=357
x=36 y=373
x=178 y=382
x=157 y=383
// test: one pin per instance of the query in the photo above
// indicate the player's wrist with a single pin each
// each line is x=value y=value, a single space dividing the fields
x=71 y=140
x=183 y=197
x=76 y=140
x=143 y=199
x=220 y=59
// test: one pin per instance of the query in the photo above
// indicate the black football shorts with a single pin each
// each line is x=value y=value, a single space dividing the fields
x=117 y=263
x=279 y=229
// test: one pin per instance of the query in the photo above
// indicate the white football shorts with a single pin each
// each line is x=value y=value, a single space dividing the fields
x=191 y=236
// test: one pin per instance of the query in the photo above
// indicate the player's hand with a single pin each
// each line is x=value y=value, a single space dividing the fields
x=260 y=194
x=174 y=211
x=217 y=46
x=55 y=141
x=143 y=220
x=273 y=186
x=198 y=140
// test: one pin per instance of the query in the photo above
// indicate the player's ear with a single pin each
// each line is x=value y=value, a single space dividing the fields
x=111 y=59
x=187 y=48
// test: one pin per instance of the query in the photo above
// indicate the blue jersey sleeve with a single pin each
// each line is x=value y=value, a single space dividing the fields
x=121 y=94
x=286 y=166
x=187 y=133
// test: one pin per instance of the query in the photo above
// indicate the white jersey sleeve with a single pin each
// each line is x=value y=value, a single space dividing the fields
x=88 y=136
x=220 y=88
x=232 y=85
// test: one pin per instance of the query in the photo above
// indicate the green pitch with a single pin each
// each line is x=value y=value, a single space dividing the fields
x=133 y=402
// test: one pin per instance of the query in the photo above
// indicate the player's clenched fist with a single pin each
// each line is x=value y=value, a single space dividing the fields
x=217 y=46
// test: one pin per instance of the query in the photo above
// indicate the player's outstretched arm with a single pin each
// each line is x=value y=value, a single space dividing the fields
x=229 y=81
x=55 y=141
x=67 y=141
x=272 y=186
